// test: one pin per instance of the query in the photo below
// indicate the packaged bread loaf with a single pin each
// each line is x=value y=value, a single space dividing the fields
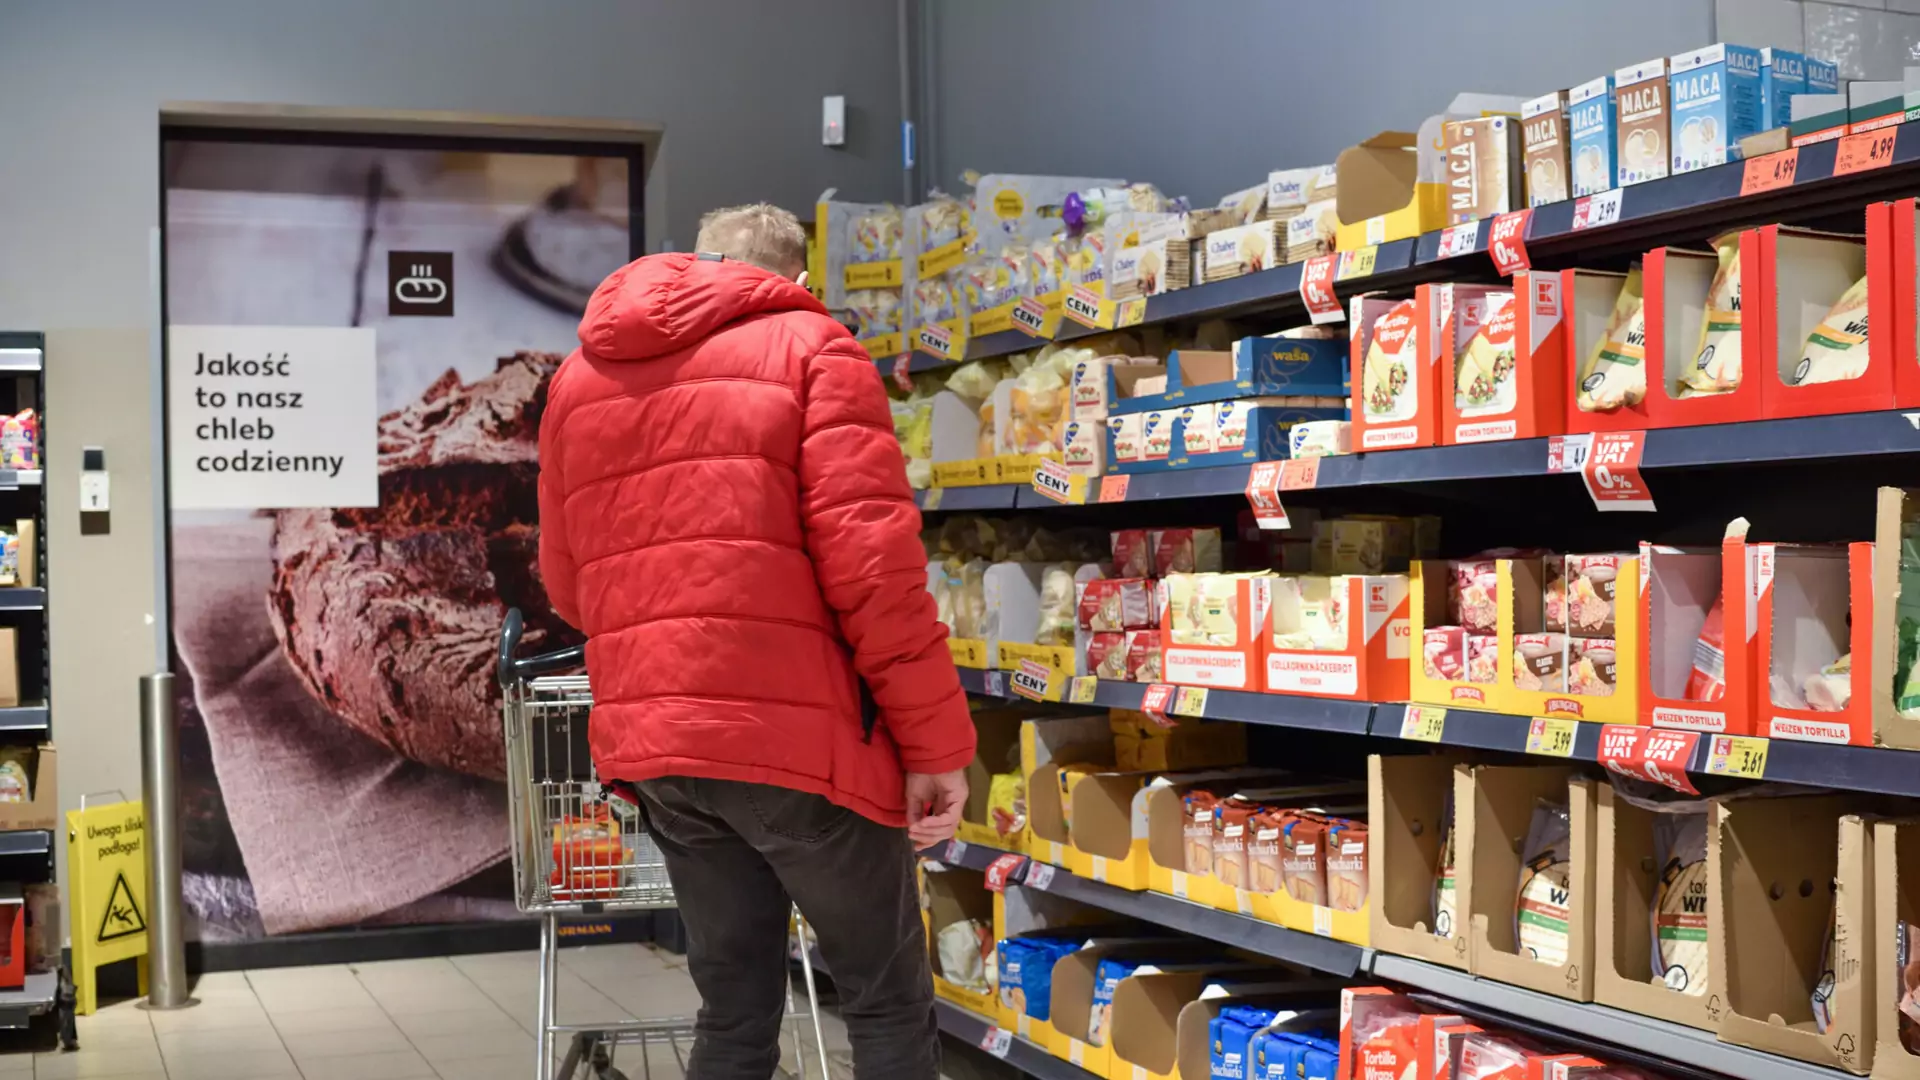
x=1302 y=857
x=1205 y=609
x=1144 y=659
x=1107 y=655
x=1185 y=551
x=1132 y=553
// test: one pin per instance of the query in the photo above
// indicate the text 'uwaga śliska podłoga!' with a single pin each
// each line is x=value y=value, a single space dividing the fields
x=255 y=428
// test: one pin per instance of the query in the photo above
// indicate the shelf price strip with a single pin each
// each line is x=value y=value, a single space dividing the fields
x=1737 y=755
x=1424 y=723
x=1865 y=150
x=1456 y=240
x=1595 y=211
x=1771 y=172
x=1190 y=701
x=1552 y=736
x=1113 y=487
x=996 y=1041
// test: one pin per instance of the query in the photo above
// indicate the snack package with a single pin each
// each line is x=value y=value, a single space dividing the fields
x=1444 y=652
x=1231 y=820
x=1445 y=890
x=874 y=236
x=1906 y=977
x=875 y=312
x=20 y=441
x=1831 y=688
x=1716 y=363
x=1591 y=581
x=1483 y=382
x=1132 y=554
x=1007 y=803
x=1483 y=1055
x=1265 y=859
x=942 y=221
x=1483 y=657
x=1708 y=679
x=588 y=855
x=1231 y=1035
x=1107 y=655
x=1540 y=662
x=1591 y=664
x=965 y=948
x=16 y=763
x=1144 y=656
x=934 y=300
x=1680 y=905
x=1386 y=375
x=1473 y=593
x=1346 y=862
x=1199 y=830
x=1116 y=604
x=1546 y=871
x=9 y=558
x=1013 y=955
x=1554 y=593
x=1822 y=997
x=1206 y=609
x=1106 y=979
x=1836 y=350
x=1381 y=1030
x=1613 y=375
x=1185 y=551
x=1058 y=606
x=1303 y=867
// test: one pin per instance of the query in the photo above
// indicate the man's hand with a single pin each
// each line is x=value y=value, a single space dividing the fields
x=933 y=805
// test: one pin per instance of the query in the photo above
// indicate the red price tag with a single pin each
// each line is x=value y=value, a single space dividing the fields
x=1263 y=494
x=1770 y=171
x=1155 y=703
x=1316 y=290
x=1867 y=150
x=1113 y=488
x=1595 y=211
x=1568 y=453
x=1507 y=243
x=1458 y=239
x=1300 y=474
x=1002 y=870
x=903 y=373
x=1649 y=754
x=1612 y=472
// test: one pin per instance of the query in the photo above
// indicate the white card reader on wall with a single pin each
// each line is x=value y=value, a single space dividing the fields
x=93 y=480
x=833 y=121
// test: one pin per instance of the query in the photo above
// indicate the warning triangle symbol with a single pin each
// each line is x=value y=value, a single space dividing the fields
x=122 y=917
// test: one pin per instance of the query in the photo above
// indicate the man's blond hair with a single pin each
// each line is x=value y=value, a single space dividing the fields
x=761 y=233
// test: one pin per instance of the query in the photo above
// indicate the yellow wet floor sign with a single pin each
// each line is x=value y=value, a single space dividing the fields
x=107 y=869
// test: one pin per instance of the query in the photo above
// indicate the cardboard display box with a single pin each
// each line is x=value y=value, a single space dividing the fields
x=1394 y=185
x=1045 y=746
x=1521 y=586
x=1148 y=1003
x=1087 y=1036
x=996 y=751
x=1232 y=667
x=1395 y=378
x=1682 y=587
x=1427 y=606
x=1626 y=885
x=41 y=810
x=1817 y=604
x=1024 y=912
x=1408 y=798
x=1498 y=817
x=1195 y=1054
x=1896 y=899
x=1529 y=396
x=1788 y=873
x=1891 y=231
x=1790 y=280
x=1372 y=662
x=1889 y=727
x=1587 y=301
x=1109 y=827
x=1162 y=806
x=948 y=896
x=1676 y=283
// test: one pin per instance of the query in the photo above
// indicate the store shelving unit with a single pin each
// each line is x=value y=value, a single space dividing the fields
x=1028 y=1057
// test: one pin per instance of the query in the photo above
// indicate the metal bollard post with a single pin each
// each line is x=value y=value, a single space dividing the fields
x=167 y=983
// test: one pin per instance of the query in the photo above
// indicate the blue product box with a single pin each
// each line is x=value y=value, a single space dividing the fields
x=1121 y=379
x=1273 y=1055
x=1319 y=1061
x=1782 y=74
x=1716 y=103
x=1253 y=429
x=1229 y=1034
x=1106 y=979
x=1260 y=366
x=1822 y=77
x=1591 y=136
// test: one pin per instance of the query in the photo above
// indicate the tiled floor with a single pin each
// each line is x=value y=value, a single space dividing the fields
x=457 y=1018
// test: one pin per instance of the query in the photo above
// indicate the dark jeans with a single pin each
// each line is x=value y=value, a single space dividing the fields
x=736 y=853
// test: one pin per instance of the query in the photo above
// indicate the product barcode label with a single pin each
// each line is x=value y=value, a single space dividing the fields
x=997 y=1041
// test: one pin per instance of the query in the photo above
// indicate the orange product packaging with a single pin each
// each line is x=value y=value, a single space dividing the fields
x=1341 y=637
x=1211 y=630
x=1395 y=378
x=1891 y=231
x=1816 y=670
x=588 y=854
x=1484 y=1055
x=1506 y=378
x=1603 y=337
x=1693 y=322
x=1378 y=1034
x=1433 y=1040
x=1806 y=301
x=1699 y=649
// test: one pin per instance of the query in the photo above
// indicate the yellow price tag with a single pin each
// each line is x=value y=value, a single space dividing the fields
x=1082 y=689
x=1190 y=701
x=1552 y=736
x=1358 y=262
x=1423 y=722
x=1737 y=755
x=1131 y=312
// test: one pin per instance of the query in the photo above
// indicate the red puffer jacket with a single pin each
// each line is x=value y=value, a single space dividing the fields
x=724 y=512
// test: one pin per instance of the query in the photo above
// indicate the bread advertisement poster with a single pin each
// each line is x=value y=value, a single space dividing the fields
x=358 y=350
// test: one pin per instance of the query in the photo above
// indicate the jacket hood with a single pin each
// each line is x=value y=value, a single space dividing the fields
x=661 y=304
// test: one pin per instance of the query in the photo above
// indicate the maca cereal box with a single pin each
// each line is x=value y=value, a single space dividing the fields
x=1591 y=125
x=1642 y=95
x=1716 y=103
x=1543 y=126
x=1393 y=375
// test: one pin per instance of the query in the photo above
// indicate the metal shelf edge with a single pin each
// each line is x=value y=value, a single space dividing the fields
x=1028 y=1057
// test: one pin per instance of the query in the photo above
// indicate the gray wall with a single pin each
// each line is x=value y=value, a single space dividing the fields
x=736 y=83
x=1240 y=87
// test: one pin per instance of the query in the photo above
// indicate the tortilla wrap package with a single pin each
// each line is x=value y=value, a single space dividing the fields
x=1446 y=896
x=1716 y=362
x=1614 y=375
x=1837 y=348
x=1680 y=901
x=1546 y=873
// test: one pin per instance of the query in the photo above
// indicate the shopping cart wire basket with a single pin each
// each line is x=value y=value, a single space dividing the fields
x=580 y=849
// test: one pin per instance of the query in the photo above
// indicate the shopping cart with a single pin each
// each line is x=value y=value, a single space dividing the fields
x=580 y=850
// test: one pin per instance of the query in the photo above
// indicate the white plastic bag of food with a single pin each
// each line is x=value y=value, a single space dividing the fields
x=1614 y=375
x=1680 y=901
x=1716 y=361
x=1546 y=883
x=1837 y=348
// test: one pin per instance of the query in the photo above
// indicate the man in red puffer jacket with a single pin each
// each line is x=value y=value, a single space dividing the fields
x=724 y=512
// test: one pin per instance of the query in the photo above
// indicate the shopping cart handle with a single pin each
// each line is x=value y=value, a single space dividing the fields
x=512 y=671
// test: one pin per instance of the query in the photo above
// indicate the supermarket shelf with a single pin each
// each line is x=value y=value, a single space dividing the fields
x=1478 y=730
x=983 y=683
x=1645 y=1035
x=1225 y=927
x=24 y=718
x=18 y=599
x=32 y=999
x=25 y=842
x=1030 y=1058
x=984 y=497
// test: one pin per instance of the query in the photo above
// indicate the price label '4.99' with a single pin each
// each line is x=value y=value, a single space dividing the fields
x=1864 y=151
x=1770 y=172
